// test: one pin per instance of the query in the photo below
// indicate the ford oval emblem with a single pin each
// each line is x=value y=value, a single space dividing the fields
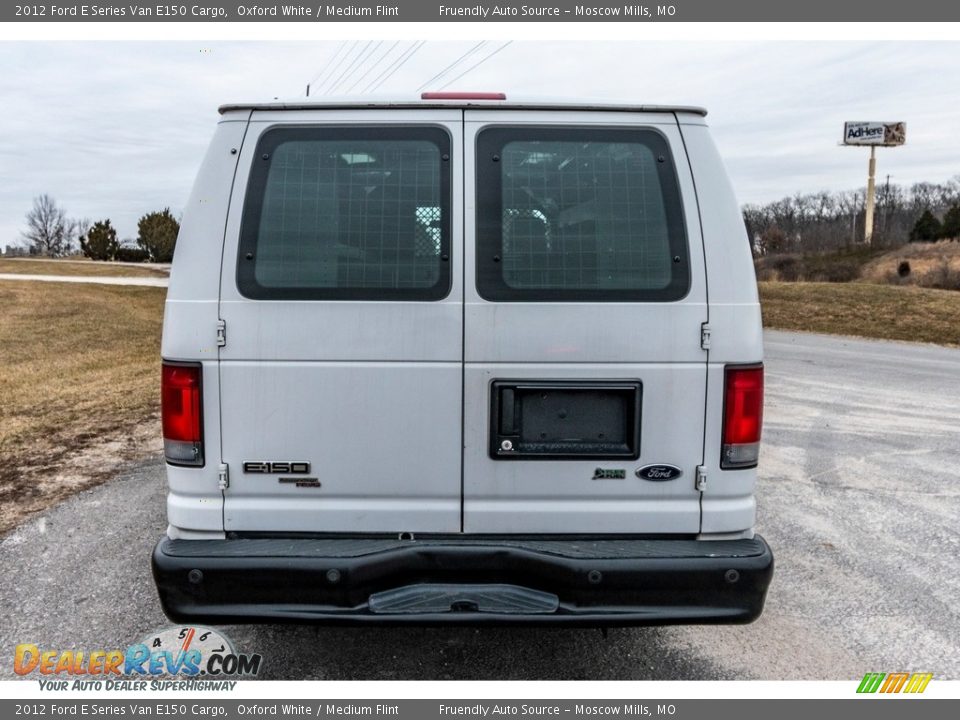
x=659 y=473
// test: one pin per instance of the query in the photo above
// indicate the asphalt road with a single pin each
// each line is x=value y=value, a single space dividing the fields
x=859 y=498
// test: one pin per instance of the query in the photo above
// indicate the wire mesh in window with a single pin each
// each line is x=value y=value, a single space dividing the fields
x=583 y=216
x=351 y=214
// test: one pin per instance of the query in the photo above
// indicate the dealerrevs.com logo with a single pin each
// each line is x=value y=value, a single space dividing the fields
x=202 y=656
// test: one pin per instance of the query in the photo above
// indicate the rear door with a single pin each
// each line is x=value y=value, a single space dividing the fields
x=341 y=292
x=585 y=294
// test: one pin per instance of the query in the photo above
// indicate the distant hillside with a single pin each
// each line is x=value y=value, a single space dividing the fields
x=930 y=265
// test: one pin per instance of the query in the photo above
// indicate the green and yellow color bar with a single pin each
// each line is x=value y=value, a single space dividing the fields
x=894 y=682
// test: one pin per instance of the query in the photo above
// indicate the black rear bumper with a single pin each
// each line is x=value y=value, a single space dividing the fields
x=464 y=580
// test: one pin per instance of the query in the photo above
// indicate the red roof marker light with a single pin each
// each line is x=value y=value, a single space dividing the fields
x=463 y=96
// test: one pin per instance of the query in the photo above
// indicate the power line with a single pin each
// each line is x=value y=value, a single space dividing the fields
x=384 y=71
x=328 y=65
x=474 y=67
x=372 y=67
x=357 y=63
x=325 y=70
x=334 y=67
x=336 y=81
x=456 y=62
x=400 y=63
x=389 y=72
x=340 y=62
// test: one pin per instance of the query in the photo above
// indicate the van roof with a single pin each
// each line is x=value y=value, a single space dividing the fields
x=406 y=103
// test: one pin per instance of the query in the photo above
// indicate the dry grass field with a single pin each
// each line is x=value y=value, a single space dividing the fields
x=28 y=266
x=876 y=311
x=79 y=378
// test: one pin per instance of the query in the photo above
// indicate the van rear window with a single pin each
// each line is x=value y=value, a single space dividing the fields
x=578 y=214
x=358 y=213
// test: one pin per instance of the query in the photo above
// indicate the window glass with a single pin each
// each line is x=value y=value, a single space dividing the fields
x=578 y=214
x=347 y=213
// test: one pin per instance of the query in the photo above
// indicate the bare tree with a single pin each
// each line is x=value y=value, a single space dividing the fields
x=81 y=226
x=49 y=231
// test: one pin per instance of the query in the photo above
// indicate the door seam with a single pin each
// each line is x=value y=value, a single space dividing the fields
x=223 y=251
x=706 y=290
x=463 y=312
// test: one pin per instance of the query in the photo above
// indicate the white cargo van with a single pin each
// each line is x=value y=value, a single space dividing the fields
x=462 y=359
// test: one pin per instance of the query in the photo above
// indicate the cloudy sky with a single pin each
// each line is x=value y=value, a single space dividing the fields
x=113 y=129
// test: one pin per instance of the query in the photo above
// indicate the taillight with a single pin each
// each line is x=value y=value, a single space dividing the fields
x=181 y=393
x=742 y=416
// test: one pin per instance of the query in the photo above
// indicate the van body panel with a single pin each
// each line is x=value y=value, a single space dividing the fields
x=737 y=332
x=526 y=495
x=655 y=343
x=190 y=314
x=728 y=503
x=382 y=440
x=522 y=333
x=361 y=332
x=196 y=321
x=194 y=509
x=194 y=500
x=724 y=512
x=343 y=515
x=726 y=246
x=366 y=391
x=200 y=242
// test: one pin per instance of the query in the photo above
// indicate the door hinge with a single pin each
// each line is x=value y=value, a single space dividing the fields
x=221 y=333
x=705 y=336
x=224 y=476
x=701 y=478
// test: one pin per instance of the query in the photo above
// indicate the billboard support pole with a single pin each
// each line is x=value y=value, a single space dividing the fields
x=884 y=134
x=871 y=176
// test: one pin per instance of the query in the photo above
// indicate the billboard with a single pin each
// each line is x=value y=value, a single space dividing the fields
x=874 y=133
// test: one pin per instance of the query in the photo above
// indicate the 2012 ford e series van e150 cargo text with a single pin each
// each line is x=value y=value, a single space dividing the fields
x=462 y=359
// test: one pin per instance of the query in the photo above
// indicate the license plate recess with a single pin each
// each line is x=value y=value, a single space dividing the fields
x=567 y=419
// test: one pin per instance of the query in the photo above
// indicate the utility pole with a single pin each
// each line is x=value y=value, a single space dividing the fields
x=885 y=206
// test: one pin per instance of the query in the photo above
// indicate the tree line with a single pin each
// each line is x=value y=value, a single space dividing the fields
x=832 y=221
x=52 y=233
x=807 y=223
